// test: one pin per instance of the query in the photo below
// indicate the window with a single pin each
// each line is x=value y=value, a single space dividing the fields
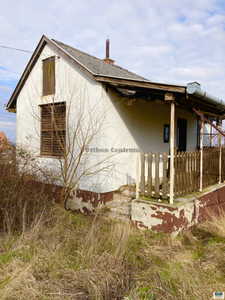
x=166 y=133
x=49 y=76
x=53 y=129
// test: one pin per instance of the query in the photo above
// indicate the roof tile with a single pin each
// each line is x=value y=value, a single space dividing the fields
x=98 y=66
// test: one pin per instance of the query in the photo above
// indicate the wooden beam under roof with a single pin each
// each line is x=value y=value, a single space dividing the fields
x=142 y=84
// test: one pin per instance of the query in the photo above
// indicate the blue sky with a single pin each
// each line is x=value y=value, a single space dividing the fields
x=168 y=41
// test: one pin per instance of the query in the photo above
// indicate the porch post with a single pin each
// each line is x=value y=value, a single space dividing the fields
x=172 y=117
x=137 y=176
x=201 y=155
x=169 y=98
x=220 y=152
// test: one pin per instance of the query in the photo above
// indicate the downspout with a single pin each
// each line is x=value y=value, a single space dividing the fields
x=194 y=88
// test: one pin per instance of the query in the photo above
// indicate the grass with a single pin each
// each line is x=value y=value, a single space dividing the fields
x=49 y=253
x=71 y=257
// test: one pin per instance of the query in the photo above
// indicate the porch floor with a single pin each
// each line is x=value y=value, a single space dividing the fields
x=187 y=198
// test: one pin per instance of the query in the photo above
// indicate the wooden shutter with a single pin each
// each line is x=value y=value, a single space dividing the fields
x=46 y=130
x=59 y=123
x=49 y=76
x=53 y=129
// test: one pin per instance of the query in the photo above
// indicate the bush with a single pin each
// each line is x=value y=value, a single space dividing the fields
x=22 y=198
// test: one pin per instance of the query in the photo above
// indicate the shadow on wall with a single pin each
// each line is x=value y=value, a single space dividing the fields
x=145 y=122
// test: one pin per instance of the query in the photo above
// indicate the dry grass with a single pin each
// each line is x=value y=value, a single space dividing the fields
x=70 y=257
x=48 y=253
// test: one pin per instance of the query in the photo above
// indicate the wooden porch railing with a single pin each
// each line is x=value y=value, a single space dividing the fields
x=210 y=166
x=147 y=187
x=155 y=174
x=223 y=165
x=186 y=173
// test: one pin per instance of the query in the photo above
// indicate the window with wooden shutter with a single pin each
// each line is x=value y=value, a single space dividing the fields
x=49 y=76
x=53 y=129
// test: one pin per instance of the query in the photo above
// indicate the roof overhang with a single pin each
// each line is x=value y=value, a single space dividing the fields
x=119 y=82
x=146 y=89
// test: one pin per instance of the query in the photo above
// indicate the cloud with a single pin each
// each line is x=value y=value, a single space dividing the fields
x=168 y=41
x=6 y=124
x=5 y=89
x=200 y=72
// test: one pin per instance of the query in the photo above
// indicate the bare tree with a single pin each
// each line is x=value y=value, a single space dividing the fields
x=68 y=125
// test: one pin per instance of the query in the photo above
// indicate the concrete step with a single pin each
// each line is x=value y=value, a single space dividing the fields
x=122 y=198
x=120 y=210
x=118 y=207
x=116 y=216
x=127 y=191
x=122 y=206
x=118 y=203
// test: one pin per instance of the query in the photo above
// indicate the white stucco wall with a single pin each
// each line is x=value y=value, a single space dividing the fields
x=140 y=126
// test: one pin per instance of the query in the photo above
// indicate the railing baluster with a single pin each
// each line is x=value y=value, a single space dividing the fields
x=182 y=174
x=149 y=180
x=175 y=175
x=164 y=183
x=185 y=173
x=157 y=174
x=178 y=177
x=192 y=172
x=142 y=184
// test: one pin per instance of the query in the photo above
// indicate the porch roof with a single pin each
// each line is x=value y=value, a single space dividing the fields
x=155 y=91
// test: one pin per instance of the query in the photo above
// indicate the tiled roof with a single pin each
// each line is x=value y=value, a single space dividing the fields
x=3 y=140
x=97 y=66
x=2 y=136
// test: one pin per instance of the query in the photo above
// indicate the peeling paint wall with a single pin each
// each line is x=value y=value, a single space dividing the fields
x=173 y=219
x=211 y=203
x=162 y=218
x=87 y=202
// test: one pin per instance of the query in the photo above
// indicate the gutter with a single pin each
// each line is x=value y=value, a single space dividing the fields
x=194 y=88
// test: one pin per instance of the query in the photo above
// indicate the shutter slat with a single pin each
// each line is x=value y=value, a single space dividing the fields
x=53 y=129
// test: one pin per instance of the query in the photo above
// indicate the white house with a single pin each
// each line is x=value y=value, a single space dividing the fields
x=112 y=113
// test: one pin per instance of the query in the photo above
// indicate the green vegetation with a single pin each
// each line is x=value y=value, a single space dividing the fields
x=49 y=253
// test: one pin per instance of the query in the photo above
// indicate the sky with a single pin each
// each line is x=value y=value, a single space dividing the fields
x=169 y=41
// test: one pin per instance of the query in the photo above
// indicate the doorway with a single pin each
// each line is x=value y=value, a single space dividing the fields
x=181 y=134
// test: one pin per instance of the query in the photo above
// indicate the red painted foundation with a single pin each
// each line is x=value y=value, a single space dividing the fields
x=182 y=215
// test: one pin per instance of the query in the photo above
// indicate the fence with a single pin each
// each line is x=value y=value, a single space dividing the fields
x=210 y=166
x=155 y=174
x=154 y=188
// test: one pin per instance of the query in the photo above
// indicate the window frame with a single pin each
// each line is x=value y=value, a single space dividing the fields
x=166 y=137
x=52 y=135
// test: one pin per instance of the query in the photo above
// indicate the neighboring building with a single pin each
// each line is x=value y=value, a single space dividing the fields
x=125 y=113
x=3 y=140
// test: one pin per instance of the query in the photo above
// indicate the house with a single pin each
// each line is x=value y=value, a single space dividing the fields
x=7 y=154
x=68 y=99
x=3 y=140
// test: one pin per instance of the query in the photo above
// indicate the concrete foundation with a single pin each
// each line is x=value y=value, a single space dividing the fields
x=87 y=202
x=183 y=214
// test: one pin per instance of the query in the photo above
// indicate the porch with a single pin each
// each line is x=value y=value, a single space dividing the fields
x=183 y=214
x=198 y=189
x=191 y=172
